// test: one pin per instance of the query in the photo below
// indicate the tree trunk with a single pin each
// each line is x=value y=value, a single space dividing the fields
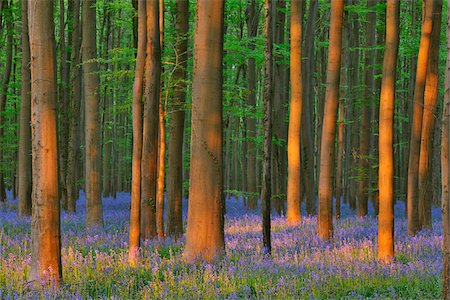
x=176 y=128
x=45 y=225
x=416 y=131
x=3 y=95
x=75 y=100
x=137 y=136
x=430 y=102
x=150 y=123
x=386 y=169
x=94 y=214
x=369 y=93
x=205 y=227
x=161 y=140
x=325 y=220
x=252 y=29
x=294 y=170
x=446 y=170
x=24 y=158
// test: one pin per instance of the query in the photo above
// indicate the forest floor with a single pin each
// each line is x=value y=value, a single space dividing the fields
x=301 y=266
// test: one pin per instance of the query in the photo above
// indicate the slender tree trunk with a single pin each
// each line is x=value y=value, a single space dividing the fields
x=3 y=94
x=266 y=193
x=252 y=29
x=205 y=231
x=24 y=158
x=150 y=124
x=161 y=141
x=446 y=170
x=176 y=129
x=294 y=170
x=45 y=225
x=325 y=220
x=386 y=169
x=137 y=135
x=429 y=109
x=416 y=131
x=307 y=109
x=75 y=100
x=369 y=93
x=94 y=214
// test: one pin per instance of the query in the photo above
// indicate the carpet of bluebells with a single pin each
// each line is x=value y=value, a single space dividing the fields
x=301 y=266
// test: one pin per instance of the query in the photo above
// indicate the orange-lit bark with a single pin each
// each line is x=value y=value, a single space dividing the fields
x=445 y=148
x=45 y=224
x=24 y=157
x=429 y=108
x=294 y=184
x=150 y=123
x=94 y=214
x=386 y=168
x=161 y=141
x=325 y=217
x=176 y=129
x=205 y=231
x=416 y=129
x=134 y=242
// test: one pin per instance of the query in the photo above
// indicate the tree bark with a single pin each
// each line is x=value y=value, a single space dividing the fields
x=45 y=224
x=416 y=130
x=137 y=136
x=94 y=214
x=294 y=169
x=386 y=169
x=205 y=227
x=176 y=128
x=150 y=124
x=325 y=218
x=429 y=109
x=24 y=157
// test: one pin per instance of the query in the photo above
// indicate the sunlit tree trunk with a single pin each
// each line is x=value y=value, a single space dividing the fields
x=429 y=109
x=445 y=147
x=176 y=127
x=294 y=184
x=137 y=135
x=45 y=224
x=386 y=169
x=416 y=130
x=161 y=140
x=94 y=214
x=325 y=220
x=150 y=123
x=205 y=231
x=24 y=164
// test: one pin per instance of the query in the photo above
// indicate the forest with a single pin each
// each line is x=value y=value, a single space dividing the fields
x=212 y=149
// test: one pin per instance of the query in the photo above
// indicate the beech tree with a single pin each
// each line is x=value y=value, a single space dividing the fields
x=176 y=128
x=386 y=153
x=94 y=213
x=205 y=227
x=150 y=123
x=137 y=134
x=24 y=158
x=293 y=189
x=325 y=217
x=416 y=129
x=45 y=224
